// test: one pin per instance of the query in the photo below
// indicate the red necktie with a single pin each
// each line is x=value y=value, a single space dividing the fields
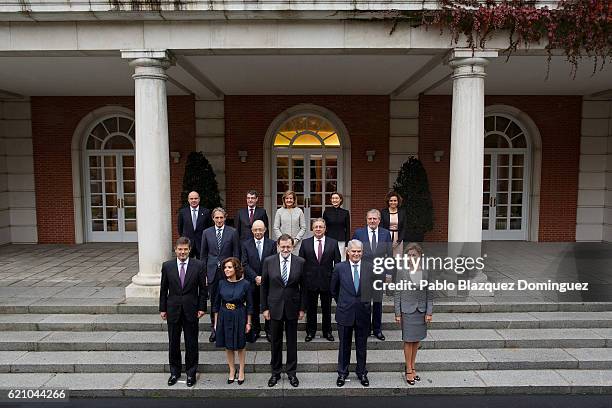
x=251 y=216
x=319 y=251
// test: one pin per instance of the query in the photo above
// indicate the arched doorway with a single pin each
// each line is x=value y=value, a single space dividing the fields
x=309 y=154
x=507 y=178
x=109 y=182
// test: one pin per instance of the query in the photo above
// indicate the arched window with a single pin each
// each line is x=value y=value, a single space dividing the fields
x=110 y=179
x=307 y=131
x=505 y=181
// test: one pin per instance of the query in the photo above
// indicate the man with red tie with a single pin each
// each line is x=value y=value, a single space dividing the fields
x=321 y=254
x=247 y=216
x=182 y=301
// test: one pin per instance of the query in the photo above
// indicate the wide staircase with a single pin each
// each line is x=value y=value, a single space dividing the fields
x=473 y=347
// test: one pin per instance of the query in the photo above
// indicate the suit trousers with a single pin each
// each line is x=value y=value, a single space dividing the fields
x=311 y=311
x=345 y=334
x=276 y=330
x=255 y=319
x=194 y=253
x=191 y=332
x=376 y=317
x=213 y=290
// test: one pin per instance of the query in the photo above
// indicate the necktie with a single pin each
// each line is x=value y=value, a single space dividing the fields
x=356 y=277
x=194 y=218
x=182 y=274
x=219 y=239
x=284 y=274
x=251 y=216
x=319 y=251
x=259 y=251
x=373 y=244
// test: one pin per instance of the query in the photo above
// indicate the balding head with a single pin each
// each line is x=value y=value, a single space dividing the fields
x=258 y=229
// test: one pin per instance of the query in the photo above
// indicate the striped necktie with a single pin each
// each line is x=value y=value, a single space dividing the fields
x=219 y=239
x=284 y=274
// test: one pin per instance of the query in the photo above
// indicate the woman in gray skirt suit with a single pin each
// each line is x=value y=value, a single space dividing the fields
x=413 y=310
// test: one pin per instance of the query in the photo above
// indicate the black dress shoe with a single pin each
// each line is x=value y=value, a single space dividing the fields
x=308 y=338
x=293 y=380
x=273 y=380
x=340 y=381
x=329 y=336
x=380 y=336
x=213 y=337
x=191 y=381
x=364 y=381
x=173 y=379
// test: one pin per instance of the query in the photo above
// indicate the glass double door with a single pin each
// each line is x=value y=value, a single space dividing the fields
x=504 y=196
x=313 y=176
x=111 y=201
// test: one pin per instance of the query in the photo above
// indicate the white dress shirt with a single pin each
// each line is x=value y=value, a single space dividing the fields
x=281 y=261
x=178 y=265
x=316 y=244
x=358 y=268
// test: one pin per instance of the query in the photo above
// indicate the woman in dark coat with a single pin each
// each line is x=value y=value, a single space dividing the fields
x=393 y=218
x=338 y=222
x=233 y=311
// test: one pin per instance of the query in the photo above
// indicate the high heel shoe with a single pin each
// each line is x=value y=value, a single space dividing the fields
x=231 y=380
x=240 y=382
x=409 y=381
x=416 y=377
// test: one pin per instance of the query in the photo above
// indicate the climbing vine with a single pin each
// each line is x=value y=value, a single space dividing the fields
x=580 y=28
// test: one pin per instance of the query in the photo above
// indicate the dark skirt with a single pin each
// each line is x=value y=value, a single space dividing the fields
x=414 y=327
x=231 y=327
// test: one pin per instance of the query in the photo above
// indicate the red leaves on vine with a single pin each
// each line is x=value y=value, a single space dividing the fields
x=581 y=28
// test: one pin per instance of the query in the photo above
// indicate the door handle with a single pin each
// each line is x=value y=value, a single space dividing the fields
x=120 y=203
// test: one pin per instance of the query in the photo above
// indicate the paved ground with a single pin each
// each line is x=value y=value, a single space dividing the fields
x=103 y=270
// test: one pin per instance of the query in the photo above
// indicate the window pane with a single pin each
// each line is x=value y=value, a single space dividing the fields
x=130 y=225
x=502 y=198
x=495 y=141
x=95 y=161
x=306 y=140
x=125 y=124
x=316 y=199
x=96 y=213
x=111 y=200
x=97 y=225
x=280 y=140
x=298 y=173
x=130 y=199
x=95 y=187
x=112 y=226
x=110 y=187
x=489 y=123
x=110 y=174
x=485 y=224
x=517 y=198
x=297 y=186
x=95 y=174
x=129 y=187
x=501 y=211
x=517 y=159
x=517 y=172
x=517 y=185
x=502 y=186
x=316 y=212
x=331 y=186
x=501 y=123
x=331 y=173
x=111 y=213
x=515 y=223
x=520 y=142
x=516 y=211
x=118 y=142
x=129 y=174
x=96 y=200
x=282 y=186
x=282 y=173
x=298 y=161
x=110 y=161
x=128 y=161
x=282 y=161
x=111 y=125
x=503 y=159
x=316 y=186
x=513 y=130
x=130 y=213
x=500 y=224
x=332 y=141
x=502 y=172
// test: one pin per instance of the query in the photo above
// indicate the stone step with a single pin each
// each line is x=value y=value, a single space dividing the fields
x=458 y=305
x=310 y=361
x=436 y=339
x=385 y=383
x=152 y=322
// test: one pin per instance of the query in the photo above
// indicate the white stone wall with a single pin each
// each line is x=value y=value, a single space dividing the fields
x=594 y=218
x=210 y=137
x=404 y=134
x=17 y=196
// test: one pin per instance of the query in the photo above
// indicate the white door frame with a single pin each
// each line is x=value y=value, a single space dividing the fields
x=270 y=159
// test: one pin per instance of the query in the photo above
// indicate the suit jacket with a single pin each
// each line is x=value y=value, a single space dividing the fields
x=210 y=254
x=352 y=308
x=243 y=224
x=409 y=301
x=185 y=301
x=185 y=225
x=385 y=221
x=338 y=222
x=283 y=301
x=318 y=275
x=250 y=257
x=384 y=244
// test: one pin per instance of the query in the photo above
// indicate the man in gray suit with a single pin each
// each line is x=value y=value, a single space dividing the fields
x=218 y=242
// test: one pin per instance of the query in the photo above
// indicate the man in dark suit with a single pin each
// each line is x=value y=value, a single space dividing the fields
x=254 y=251
x=321 y=254
x=182 y=301
x=352 y=287
x=192 y=221
x=283 y=300
x=247 y=216
x=218 y=242
x=376 y=243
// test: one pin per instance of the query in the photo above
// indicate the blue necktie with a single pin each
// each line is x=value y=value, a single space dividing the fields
x=219 y=240
x=356 y=277
x=259 y=249
x=284 y=274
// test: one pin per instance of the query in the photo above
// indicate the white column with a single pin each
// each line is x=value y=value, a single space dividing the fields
x=153 y=210
x=467 y=156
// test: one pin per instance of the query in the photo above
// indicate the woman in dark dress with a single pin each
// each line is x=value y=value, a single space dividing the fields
x=233 y=311
x=338 y=222
x=393 y=218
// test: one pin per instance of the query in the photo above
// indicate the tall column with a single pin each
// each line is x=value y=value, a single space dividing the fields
x=153 y=211
x=467 y=155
